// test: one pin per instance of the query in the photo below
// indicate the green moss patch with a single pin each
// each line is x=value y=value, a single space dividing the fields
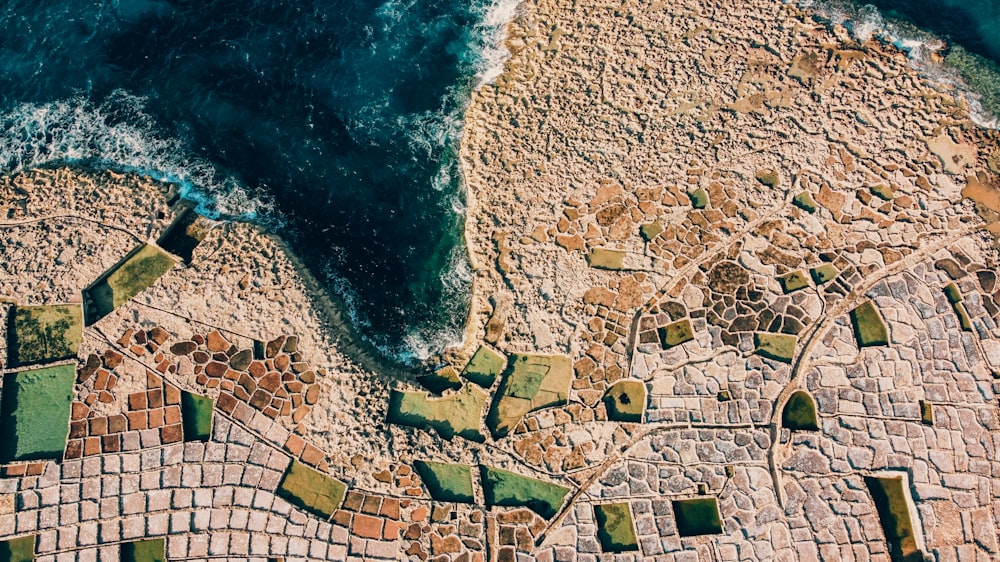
x=137 y=273
x=768 y=177
x=954 y=295
x=441 y=380
x=614 y=527
x=41 y=334
x=824 y=273
x=447 y=482
x=34 y=413
x=926 y=413
x=650 y=231
x=698 y=516
x=793 y=281
x=457 y=414
x=869 y=329
x=804 y=200
x=676 y=333
x=311 y=490
x=531 y=382
x=800 y=413
x=507 y=489
x=699 y=198
x=484 y=367
x=153 y=550
x=883 y=192
x=780 y=347
x=196 y=416
x=891 y=502
x=21 y=549
x=625 y=401
x=606 y=258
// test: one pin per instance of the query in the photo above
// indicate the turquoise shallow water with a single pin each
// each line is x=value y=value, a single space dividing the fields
x=333 y=122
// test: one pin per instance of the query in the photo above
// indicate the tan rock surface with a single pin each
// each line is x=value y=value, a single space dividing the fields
x=703 y=118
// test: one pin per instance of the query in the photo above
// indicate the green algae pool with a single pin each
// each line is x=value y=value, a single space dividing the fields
x=153 y=550
x=531 y=382
x=311 y=490
x=196 y=416
x=823 y=273
x=34 y=413
x=792 y=282
x=800 y=413
x=869 y=328
x=699 y=198
x=484 y=367
x=447 y=482
x=804 y=200
x=21 y=549
x=625 y=401
x=615 y=529
x=457 y=414
x=676 y=333
x=698 y=516
x=137 y=273
x=43 y=334
x=780 y=347
x=508 y=489
x=891 y=502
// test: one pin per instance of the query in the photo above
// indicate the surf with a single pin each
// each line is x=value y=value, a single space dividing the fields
x=953 y=51
x=334 y=123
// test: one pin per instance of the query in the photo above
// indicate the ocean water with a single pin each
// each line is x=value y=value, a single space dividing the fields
x=332 y=122
x=965 y=33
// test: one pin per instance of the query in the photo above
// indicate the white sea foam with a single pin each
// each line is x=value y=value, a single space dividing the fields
x=496 y=15
x=921 y=47
x=488 y=53
x=437 y=134
x=117 y=134
x=484 y=58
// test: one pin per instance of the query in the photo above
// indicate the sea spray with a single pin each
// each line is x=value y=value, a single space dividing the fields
x=491 y=52
x=336 y=123
x=969 y=75
x=118 y=135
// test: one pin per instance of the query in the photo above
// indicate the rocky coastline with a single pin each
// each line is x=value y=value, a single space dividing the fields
x=724 y=255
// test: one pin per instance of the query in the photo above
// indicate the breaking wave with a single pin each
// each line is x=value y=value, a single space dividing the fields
x=118 y=135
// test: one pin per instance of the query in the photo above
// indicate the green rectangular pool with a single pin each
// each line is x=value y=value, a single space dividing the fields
x=34 y=413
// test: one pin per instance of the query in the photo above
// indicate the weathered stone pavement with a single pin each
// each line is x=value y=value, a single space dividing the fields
x=729 y=205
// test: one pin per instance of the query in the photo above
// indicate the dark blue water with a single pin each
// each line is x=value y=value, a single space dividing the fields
x=333 y=122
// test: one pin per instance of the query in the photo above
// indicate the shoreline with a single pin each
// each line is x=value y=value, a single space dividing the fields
x=721 y=255
x=341 y=328
x=929 y=54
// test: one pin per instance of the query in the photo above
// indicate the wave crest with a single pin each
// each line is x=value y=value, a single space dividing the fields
x=118 y=134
